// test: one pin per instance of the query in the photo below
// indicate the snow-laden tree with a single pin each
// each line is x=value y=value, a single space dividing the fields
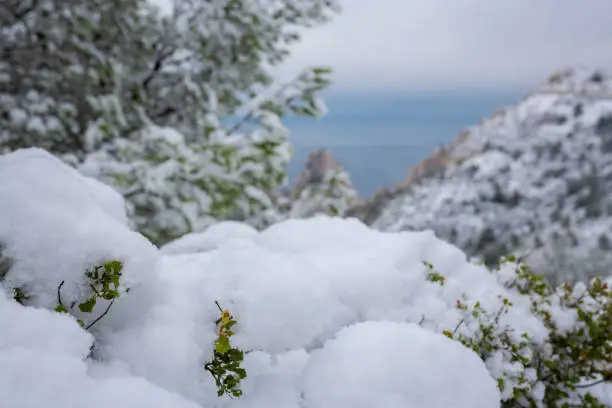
x=179 y=111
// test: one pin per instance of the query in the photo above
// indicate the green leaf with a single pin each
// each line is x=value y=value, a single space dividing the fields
x=222 y=345
x=61 y=309
x=88 y=305
x=322 y=70
x=241 y=372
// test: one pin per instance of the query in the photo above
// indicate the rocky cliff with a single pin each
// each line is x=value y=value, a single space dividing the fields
x=322 y=187
x=534 y=179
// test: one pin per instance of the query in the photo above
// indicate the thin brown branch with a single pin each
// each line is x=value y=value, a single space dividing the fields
x=157 y=66
x=59 y=294
x=458 y=326
x=90 y=325
x=603 y=380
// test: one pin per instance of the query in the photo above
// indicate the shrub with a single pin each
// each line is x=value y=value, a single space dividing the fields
x=225 y=367
x=558 y=372
x=104 y=284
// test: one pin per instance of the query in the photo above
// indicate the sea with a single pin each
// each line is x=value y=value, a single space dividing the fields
x=378 y=138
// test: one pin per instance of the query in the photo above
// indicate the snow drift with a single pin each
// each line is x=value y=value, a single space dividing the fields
x=334 y=314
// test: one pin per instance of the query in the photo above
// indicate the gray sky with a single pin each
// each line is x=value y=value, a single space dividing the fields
x=387 y=45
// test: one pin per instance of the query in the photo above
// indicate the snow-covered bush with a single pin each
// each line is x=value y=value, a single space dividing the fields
x=287 y=288
x=330 y=313
x=179 y=111
x=564 y=368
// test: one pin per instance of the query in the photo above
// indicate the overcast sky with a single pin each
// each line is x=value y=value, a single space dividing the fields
x=398 y=45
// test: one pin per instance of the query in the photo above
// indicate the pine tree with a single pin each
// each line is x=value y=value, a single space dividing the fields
x=178 y=112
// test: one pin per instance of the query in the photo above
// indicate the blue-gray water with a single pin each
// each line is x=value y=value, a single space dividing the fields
x=378 y=139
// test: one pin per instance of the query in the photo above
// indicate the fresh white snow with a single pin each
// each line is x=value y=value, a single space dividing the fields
x=391 y=364
x=335 y=314
x=212 y=238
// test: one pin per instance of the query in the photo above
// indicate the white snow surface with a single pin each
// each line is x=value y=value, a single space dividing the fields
x=362 y=364
x=335 y=314
x=214 y=236
x=56 y=224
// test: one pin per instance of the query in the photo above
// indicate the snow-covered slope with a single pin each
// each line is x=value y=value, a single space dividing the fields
x=534 y=179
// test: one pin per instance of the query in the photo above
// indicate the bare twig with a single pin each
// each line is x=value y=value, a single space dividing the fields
x=499 y=313
x=458 y=326
x=90 y=325
x=603 y=380
x=157 y=66
x=95 y=291
x=59 y=294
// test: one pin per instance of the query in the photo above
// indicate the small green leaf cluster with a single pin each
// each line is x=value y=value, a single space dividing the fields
x=492 y=341
x=104 y=284
x=434 y=276
x=225 y=366
x=20 y=296
x=557 y=372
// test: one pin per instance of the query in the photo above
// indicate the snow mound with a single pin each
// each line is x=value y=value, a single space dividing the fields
x=57 y=225
x=42 y=365
x=213 y=237
x=383 y=364
x=312 y=298
x=294 y=287
x=41 y=330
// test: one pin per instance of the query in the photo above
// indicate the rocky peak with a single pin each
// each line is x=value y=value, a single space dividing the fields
x=319 y=164
x=578 y=80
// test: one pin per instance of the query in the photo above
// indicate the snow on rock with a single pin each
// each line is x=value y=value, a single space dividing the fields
x=310 y=296
x=385 y=364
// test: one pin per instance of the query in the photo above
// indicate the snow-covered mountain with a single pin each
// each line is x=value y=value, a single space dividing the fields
x=534 y=180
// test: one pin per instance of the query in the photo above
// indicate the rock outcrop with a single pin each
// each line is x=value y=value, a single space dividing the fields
x=319 y=164
x=322 y=187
